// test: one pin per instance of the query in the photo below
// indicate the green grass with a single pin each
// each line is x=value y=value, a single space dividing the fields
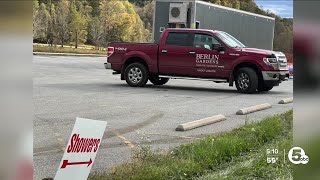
x=68 y=49
x=240 y=153
x=253 y=165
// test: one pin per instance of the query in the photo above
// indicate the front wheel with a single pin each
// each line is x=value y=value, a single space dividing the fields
x=136 y=75
x=246 y=80
x=158 y=80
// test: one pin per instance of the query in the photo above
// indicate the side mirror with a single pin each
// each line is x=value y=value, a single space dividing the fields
x=217 y=47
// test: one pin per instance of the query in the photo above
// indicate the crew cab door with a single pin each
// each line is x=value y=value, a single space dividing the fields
x=175 y=54
x=209 y=62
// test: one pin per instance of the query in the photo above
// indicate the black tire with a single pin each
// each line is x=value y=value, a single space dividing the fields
x=246 y=80
x=158 y=80
x=136 y=75
x=263 y=87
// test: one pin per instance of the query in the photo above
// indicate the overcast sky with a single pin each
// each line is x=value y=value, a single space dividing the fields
x=283 y=8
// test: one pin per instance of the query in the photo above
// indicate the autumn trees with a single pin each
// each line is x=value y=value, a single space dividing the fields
x=60 y=20
x=41 y=19
x=86 y=21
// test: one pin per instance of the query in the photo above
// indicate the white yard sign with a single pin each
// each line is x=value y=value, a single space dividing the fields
x=81 y=149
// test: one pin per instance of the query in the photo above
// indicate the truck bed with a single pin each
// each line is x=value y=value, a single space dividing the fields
x=124 y=51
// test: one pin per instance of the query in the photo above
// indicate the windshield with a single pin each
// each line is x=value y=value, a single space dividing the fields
x=230 y=40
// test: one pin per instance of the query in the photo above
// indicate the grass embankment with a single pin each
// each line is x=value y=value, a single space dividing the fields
x=239 y=154
x=67 y=49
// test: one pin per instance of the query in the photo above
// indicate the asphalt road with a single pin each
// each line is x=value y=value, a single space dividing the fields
x=68 y=87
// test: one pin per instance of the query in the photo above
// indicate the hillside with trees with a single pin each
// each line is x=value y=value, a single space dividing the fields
x=96 y=22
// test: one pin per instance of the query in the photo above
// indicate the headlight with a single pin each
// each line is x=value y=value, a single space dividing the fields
x=270 y=61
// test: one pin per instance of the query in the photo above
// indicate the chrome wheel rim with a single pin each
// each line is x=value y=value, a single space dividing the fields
x=243 y=81
x=135 y=75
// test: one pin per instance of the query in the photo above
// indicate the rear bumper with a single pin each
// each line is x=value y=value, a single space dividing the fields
x=275 y=75
x=107 y=65
x=113 y=66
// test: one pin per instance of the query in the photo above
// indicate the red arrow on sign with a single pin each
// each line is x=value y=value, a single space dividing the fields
x=65 y=163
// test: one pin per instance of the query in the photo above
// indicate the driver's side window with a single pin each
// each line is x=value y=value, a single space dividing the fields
x=204 y=41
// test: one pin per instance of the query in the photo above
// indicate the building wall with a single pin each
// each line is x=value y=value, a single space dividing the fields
x=251 y=30
x=161 y=18
x=161 y=15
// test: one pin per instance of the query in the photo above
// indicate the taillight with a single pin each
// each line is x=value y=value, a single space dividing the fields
x=110 y=51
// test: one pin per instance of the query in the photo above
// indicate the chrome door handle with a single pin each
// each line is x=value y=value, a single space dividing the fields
x=192 y=52
x=164 y=51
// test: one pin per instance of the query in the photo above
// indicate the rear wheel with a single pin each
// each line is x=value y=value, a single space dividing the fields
x=136 y=75
x=158 y=80
x=246 y=80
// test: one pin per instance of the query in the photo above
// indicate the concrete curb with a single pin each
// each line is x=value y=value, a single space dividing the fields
x=253 y=109
x=201 y=122
x=286 y=101
x=68 y=54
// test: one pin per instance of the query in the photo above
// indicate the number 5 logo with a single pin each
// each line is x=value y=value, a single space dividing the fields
x=297 y=156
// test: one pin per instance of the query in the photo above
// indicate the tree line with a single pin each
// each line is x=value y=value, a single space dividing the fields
x=93 y=22
x=97 y=22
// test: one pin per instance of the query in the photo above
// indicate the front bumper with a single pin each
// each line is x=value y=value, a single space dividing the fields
x=275 y=75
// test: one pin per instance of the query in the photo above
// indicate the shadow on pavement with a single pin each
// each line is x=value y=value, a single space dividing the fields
x=105 y=87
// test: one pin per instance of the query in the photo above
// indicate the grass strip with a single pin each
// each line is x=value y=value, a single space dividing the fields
x=52 y=49
x=254 y=165
x=212 y=154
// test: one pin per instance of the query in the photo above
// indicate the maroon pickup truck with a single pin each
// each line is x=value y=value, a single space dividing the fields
x=198 y=54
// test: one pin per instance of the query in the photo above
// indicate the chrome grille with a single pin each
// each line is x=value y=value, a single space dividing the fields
x=282 y=62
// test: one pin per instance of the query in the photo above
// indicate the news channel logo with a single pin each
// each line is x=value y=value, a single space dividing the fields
x=297 y=155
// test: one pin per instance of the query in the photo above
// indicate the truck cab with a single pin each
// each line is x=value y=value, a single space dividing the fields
x=199 y=54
